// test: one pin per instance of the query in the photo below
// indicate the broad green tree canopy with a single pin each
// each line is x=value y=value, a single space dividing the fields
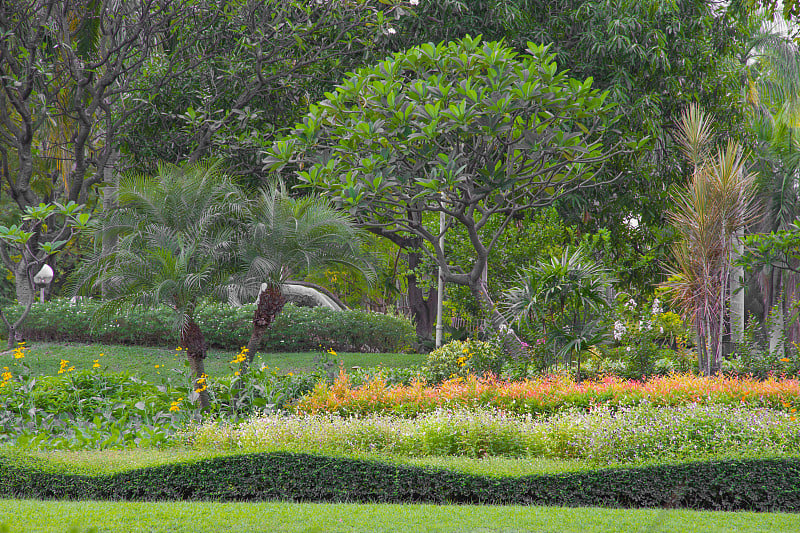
x=471 y=129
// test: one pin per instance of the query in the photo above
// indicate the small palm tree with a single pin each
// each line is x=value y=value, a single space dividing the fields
x=563 y=294
x=287 y=238
x=176 y=235
x=707 y=215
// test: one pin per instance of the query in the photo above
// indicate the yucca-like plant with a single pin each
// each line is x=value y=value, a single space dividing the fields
x=177 y=234
x=716 y=204
x=285 y=239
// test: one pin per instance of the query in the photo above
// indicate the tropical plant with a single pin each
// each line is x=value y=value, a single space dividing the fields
x=564 y=294
x=177 y=233
x=287 y=238
x=470 y=129
x=707 y=216
x=24 y=254
x=773 y=95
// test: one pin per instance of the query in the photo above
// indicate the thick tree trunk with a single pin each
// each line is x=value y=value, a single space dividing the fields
x=194 y=342
x=422 y=308
x=270 y=303
x=26 y=293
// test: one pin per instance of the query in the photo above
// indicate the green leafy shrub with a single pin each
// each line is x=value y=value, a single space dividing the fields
x=295 y=328
x=462 y=358
x=768 y=485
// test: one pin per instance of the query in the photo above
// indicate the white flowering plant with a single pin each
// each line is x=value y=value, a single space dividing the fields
x=648 y=337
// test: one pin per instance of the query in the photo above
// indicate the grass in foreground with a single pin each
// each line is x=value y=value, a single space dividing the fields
x=141 y=361
x=198 y=517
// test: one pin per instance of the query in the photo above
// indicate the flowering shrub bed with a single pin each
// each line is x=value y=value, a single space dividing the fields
x=92 y=409
x=602 y=436
x=547 y=395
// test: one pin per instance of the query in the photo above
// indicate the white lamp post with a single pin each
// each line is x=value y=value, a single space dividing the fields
x=43 y=278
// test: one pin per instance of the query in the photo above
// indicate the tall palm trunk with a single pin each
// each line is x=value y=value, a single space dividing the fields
x=194 y=342
x=270 y=303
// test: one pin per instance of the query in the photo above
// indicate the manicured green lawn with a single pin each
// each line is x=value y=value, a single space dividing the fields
x=44 y=358
x=198 y=517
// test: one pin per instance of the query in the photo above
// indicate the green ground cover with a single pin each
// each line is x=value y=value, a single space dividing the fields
x=199 y=517
x=112 y=516
x=141 y=361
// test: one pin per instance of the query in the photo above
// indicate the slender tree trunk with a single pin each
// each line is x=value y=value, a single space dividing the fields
x=737 y=291
x=194 y=342
x=511 y=342
x=13 y=327
x=270 y=303
x=718 y=325
x=702 y=348
x=109 y=202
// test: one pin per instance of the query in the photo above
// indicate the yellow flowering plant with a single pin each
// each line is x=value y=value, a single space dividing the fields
x=462 y=358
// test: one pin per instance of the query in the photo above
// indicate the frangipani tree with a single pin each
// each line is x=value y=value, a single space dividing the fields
x=470 y=129
x=27 y=247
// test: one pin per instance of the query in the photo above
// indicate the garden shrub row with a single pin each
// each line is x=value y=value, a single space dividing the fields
x=767 y=485
x=296 y=329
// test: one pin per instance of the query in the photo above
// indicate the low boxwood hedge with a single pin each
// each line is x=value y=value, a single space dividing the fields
x=770 y=485
x=296 y=329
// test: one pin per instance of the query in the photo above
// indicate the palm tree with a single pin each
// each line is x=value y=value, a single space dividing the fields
x=287 y=238
x=707 y=216
x=563 y=294
x=773 y=95
x=176 y=235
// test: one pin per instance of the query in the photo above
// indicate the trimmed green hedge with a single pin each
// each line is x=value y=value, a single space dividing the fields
x=296 y=329
x=771 y=485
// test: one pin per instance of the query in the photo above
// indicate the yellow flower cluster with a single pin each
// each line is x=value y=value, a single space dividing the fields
x=462 y=361
x=6 y=375
x=175 y=406
x=65 y=367
x=19 y=351
x=242 y=355
x=201 y=383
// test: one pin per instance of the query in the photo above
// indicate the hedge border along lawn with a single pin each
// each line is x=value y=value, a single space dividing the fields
x=764 y=485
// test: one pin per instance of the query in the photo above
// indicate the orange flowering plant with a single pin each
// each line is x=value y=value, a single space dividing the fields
x=547 y=394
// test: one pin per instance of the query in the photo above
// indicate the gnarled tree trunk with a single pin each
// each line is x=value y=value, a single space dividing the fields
x=270 y=303
x=194 y=342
